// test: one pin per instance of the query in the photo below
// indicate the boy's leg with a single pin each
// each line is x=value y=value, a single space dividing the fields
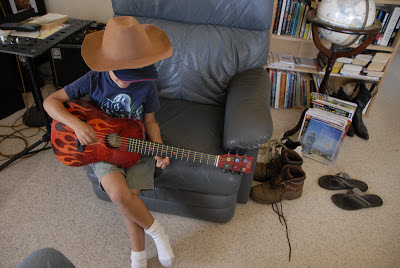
x=133 y=210
x=130 y=205
x=137 y=217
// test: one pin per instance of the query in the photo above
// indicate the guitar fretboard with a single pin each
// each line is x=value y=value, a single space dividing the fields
x=157 y=149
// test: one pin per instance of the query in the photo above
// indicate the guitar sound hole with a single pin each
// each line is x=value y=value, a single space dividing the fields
x=113 y=140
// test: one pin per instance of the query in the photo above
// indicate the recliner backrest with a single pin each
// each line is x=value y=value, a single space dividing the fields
x=213 y=40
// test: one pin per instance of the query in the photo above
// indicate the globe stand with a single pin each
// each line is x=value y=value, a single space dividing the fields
x=335 y=51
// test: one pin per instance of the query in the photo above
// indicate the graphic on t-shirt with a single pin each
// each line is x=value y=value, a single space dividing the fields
x=122 y=107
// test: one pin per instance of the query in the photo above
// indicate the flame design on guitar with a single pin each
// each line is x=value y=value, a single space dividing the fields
x=121 y=142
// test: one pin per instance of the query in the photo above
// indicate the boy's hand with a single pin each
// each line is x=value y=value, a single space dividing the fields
x=85 y=134
x=162 y=162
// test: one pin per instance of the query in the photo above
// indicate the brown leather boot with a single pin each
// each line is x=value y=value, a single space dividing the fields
x=287 y=185
x=266 y=171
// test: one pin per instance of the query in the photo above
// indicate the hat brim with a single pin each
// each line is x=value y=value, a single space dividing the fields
x=93 y=56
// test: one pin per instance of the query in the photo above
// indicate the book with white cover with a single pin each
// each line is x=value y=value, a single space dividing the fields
x=390 y=26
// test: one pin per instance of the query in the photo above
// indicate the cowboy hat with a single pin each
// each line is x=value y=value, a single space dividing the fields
x=125 y=44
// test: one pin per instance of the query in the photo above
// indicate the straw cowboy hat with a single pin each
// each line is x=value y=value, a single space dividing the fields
x=125 y=44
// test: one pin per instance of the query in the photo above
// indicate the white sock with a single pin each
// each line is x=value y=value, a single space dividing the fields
x=138 y=259
x=165 y=254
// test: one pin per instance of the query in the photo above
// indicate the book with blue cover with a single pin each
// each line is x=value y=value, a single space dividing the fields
x=321 y=141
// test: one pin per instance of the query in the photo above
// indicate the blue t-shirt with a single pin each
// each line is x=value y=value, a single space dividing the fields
x=139 y=97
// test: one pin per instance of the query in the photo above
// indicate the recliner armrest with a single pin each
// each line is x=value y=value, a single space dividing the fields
x=248 y=122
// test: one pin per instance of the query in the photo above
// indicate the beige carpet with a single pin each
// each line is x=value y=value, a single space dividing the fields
x=46 y=204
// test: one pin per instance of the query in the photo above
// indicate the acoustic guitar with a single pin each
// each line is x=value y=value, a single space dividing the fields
x=121 y=142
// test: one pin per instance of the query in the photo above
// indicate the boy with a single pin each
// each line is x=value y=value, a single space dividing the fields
x=123 y=85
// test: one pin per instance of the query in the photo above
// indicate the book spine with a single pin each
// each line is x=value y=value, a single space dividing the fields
x=285 y=18
x=277 y=16
x=283 y=7
x=296 y=20
x=304 y=22
x=380 y=17
x=395 y=31
x=282 y=90
x=272 y=84
x=384 y=25
x=278 y=89
x=390 y=26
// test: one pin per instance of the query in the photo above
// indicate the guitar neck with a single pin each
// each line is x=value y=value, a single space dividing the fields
x=158 y=149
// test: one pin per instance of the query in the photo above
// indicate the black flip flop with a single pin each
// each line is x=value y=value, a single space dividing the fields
x=341 y=181
x=355 y=199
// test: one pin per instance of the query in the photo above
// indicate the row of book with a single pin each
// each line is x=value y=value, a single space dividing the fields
x=290 y=18
x=324 y=127
x=368 y=63
x=292 y=89
x=389 y=16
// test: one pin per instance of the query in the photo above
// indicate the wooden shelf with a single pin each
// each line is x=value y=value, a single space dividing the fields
x=305 y=48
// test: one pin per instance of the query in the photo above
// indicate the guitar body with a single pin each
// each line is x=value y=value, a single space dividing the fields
x=109 y=130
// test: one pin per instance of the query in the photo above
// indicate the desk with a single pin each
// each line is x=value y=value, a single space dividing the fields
x=26 y=52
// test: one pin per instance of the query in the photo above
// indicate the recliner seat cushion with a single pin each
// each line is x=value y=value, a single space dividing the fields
x=197 y=127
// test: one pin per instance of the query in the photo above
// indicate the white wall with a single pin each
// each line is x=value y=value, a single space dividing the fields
x=97 y=10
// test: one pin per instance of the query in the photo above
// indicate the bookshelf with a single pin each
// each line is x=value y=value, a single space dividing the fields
x=305 y=48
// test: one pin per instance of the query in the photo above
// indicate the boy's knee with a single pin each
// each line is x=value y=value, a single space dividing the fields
x=120 y=196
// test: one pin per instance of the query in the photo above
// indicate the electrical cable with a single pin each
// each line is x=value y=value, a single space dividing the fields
x=13 y=126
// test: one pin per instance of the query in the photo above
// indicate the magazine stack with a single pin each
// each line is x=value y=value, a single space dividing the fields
x=325 y=126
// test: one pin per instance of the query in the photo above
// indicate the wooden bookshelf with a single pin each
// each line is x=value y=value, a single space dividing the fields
x=305 y=48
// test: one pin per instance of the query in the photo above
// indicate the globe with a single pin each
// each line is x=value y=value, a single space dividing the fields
x=349 y=14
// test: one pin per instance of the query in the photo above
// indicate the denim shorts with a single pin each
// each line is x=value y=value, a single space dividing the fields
x=140 y=176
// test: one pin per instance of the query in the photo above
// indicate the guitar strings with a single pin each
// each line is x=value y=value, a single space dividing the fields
x=136 y=142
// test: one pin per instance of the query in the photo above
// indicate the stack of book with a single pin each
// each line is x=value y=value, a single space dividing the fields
x=377 y=64
x=350 y=69
x=288 y=61
x=324 y=127
x=369 y=64
x=290 y=18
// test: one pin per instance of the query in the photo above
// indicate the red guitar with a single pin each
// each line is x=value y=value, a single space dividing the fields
x=122 y=142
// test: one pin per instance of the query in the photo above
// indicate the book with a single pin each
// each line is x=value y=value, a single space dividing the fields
x=349 y=72
x=395 y=31
x=362 y=59
x=49 y=21
x=282 y=89
x=373 y=73
x=390 y=26
x=273 y=62
x=376 y=66
x=321 y=141
x=304 y=62
x=322 y=134
x=285 y=17
x=381 y=57
x=352 y=67
x=277 y=16
x=282 y=15
x=345 y=59
x=286 y=58
x=277 y=89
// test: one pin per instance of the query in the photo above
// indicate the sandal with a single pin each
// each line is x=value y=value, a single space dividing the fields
x=341 y=181
x=355 y=199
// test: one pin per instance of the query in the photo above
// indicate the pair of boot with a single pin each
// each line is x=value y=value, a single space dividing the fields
x=282 y=178
x=357 y=126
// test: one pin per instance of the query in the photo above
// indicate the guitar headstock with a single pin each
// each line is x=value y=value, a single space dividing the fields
x=235 y=163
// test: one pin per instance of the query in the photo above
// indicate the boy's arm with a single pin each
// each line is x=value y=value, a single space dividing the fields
x=153 y=131
x=54 y=106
